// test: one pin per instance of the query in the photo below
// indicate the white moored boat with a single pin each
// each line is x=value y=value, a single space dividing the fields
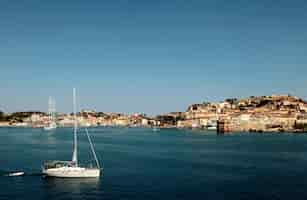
x=16 y=174
x=50 y=127
x=71 y=169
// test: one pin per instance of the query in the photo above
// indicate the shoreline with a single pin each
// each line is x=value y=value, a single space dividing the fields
x=275 y=113
x=271 y=131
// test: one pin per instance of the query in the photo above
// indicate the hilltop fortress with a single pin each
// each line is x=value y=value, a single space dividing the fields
x=265 y=113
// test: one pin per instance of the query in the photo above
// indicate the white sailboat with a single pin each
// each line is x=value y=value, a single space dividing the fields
x=71 y=169
x=51 y=113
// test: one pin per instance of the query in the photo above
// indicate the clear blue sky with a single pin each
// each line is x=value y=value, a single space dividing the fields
x=149 y=56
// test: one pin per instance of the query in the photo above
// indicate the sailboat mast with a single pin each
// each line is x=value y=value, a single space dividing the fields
x=75 y=156
x=50 y=109
x=53 y=111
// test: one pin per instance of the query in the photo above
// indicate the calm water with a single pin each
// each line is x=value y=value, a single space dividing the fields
x=169 y=164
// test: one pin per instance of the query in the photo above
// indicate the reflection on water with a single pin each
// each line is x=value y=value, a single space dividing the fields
x=71 y=187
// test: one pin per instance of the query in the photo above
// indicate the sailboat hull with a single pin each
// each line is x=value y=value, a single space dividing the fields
x=49 y=128
x=72 y=172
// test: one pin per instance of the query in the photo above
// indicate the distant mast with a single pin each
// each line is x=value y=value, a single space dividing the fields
x=51 y=115
x=51 y=109
x=75 y=151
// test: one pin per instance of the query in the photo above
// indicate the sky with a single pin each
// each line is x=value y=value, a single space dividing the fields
x=149 y=56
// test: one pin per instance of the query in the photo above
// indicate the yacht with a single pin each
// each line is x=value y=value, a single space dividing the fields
x=72 y=169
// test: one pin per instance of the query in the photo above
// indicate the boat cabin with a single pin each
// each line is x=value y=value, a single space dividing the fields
x=58 y=164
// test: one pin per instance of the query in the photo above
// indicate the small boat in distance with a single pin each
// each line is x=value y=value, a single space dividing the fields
x=211 y=128
x=51 y=114
x=71 y=169
x=50 y=127
x=16 y=174
x=155 y=129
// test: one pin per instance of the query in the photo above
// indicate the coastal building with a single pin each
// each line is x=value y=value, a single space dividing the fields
x=145 y=122
x=67 y=121
x=5 y=124
x=121 y=121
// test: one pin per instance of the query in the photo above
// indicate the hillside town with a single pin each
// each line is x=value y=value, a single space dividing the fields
x=276 y=113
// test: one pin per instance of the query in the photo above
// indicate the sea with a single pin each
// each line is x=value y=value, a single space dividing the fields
x=140 y=163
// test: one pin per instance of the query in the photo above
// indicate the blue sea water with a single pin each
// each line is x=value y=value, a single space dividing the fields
x=168 y=164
